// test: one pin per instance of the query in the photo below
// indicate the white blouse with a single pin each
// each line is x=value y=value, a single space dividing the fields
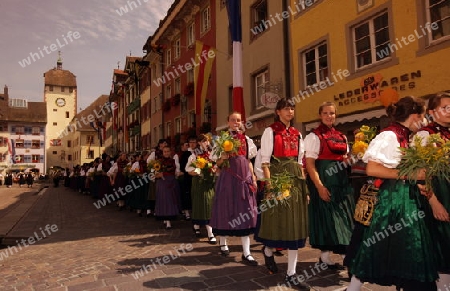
x=312 y=146
x=267 y=147
x=384 y=149
x=135 y=166
x=189 y=167
x=113 y=170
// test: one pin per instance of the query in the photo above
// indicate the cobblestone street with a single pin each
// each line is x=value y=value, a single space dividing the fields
x=107 y=249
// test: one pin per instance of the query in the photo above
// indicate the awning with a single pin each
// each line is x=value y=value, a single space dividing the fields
x=351 y=118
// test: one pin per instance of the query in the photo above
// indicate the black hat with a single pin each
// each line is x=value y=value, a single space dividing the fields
x=162 y=140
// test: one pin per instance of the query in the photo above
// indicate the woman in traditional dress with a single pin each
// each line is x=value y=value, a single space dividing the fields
x=202 y=191
x=283 y=225
x=396 y=247
x=104 y=183
x=118 y=178
x=234 y=207
x=332 y=204
x=139 y=194
x=439 y=198
x=167 y=206
x=154 y=155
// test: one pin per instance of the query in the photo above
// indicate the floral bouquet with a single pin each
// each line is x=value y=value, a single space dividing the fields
x=203 y=166
x=225 y=143
x=126 y=171
x=279 y=188
x=433 y=156
x=362 y=140
x=154 y=167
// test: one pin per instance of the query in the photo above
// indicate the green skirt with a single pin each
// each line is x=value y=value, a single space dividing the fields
x=285 y=225
x=202 y=194
x=331 y=223
x=440 y=231
x=396 y=246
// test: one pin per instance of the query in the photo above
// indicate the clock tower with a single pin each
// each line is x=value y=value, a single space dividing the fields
x=60 y=96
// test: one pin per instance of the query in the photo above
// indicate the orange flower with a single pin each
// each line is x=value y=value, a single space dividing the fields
x=137 y=170
x=227 y=146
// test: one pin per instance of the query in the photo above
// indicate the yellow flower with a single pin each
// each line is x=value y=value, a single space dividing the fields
x=227 y=146
x=359 y=148
x=365 y=128
x=201 y=163
x=360 y=136
x=286 y=193
x=157 y=166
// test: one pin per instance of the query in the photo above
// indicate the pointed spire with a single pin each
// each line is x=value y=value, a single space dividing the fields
x=59 y=62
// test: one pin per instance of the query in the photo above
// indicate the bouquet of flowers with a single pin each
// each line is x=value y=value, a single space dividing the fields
x=203 y=166
x=127 y=170
x=362 y=140
x=154 y=167
x=225 y=143
x=433 y=156
x=280 y=188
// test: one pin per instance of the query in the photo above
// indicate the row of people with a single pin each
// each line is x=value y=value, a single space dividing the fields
x=321 y=205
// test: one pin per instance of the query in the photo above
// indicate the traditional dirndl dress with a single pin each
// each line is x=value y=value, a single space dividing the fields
x=396 y=247
x=284 y=225
x=330 y=223
x=234 y=207
x=202 y=194
x=167 y=206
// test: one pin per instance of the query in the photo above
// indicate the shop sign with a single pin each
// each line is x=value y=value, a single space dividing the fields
x=372 y=86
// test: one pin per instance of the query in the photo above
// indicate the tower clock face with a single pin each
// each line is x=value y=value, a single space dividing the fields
x=60 y=102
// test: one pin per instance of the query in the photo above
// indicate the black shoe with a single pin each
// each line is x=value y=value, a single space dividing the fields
x=197 y=232
x=336 y=266
x=293 y=281
x=212 y=240
x=278 y=253
x=224 y=253
x=249 y=260
x=270 y=263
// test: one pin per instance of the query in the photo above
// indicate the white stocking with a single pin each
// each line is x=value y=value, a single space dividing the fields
x=292 y=262
x=355 y=284
x=443 y=284
x=245 y=245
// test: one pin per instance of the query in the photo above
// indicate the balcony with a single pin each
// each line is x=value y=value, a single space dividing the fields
x=135 y=104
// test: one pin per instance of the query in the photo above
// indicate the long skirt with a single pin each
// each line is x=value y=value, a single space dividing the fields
x=331 y=223
x=138 y=197
x=121 y=181
x=440 y=230
x=185 y=191
x=234 y=208
x=202 y=193
x=396 y=246
x=167 y=205
x=285 y=225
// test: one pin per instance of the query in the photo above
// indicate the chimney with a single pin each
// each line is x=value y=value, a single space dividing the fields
x=5 y=91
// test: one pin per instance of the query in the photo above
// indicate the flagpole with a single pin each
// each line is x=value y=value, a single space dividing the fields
x=234 y=17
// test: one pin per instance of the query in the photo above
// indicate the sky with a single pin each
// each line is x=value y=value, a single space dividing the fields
x=92 y=35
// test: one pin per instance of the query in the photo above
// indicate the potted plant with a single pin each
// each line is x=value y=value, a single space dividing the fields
x=166 y=105
x=176 y=99
x=189 y=89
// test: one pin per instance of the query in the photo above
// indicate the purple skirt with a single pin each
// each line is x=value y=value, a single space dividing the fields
x=234 y=210
x=167 y=206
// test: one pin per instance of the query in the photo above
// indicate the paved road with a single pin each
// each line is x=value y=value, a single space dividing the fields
x=86 y=248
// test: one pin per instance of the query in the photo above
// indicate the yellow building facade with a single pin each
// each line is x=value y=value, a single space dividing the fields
x=354 y=52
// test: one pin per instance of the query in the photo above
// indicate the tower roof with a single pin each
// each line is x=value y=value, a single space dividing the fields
x=57 y=77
